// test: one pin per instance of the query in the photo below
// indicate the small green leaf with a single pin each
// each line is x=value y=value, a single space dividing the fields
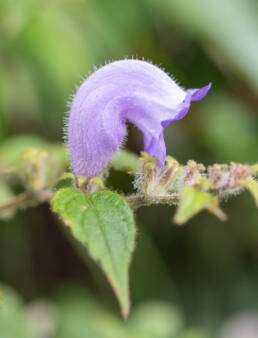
x=98 y=181
x=252 y=186
x=191 y=203
x=104 y=222
x=255 y=168
x=214 y=208
x=66 y=176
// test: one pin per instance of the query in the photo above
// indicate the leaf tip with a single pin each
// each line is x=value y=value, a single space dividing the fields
x=126 y=311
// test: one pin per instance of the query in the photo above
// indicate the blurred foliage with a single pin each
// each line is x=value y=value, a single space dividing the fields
x=74 y=313
x=200 y=275
x=13 y=318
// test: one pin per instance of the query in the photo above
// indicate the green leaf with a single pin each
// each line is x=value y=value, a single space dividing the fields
x=104 y=222
x=191 y=203
x=66 y=176
x=252 y=186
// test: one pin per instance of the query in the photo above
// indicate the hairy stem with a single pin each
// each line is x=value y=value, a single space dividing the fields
x=138 y=200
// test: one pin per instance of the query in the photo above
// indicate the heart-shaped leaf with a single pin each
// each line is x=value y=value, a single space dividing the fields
x=104 y=222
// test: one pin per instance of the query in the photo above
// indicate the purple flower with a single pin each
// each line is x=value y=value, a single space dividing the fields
x=131 y=90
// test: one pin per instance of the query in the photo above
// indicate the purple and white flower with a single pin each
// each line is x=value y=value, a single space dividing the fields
x=131 y=90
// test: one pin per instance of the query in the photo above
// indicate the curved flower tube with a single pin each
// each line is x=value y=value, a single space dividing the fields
x=124 y=90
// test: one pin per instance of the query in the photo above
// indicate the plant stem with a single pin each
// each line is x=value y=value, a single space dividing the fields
x=137 y=201
x=16 y=202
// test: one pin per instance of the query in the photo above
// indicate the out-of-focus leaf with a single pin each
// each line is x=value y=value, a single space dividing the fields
x=80 y=315
x=192 y=201
x=12 y=148
x=34 y=156
x=21 y=107
x=118 y=23
x=125 y=161
x=13 y=15
x=145 y=283
x=195 y=333
x=229 y=129
x=42 y=317
x=82 y=318
x=61 y=64
x=13 y=321
x=230 y=26
x=157 y=320
x=104 y=222
x=33 y=167
x=252 y=186
x=3 y=126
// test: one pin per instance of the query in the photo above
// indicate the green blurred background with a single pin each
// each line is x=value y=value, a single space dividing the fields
x=196 y=281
